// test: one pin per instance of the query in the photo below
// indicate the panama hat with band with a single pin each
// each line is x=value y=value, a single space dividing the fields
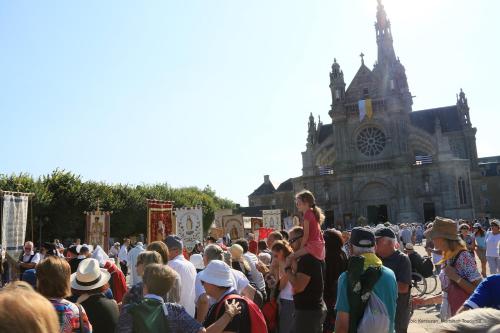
x=89 y=275
x=442 y=228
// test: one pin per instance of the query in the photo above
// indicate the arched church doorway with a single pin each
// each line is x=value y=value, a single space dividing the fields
x=375 y=199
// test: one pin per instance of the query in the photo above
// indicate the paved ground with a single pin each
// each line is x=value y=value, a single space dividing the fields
x=425 y=319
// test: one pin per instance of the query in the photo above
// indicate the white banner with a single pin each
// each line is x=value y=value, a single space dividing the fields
x=219 y=214
x=14 y=218
x=272 y=218
x=189 y=226
x=233 y=226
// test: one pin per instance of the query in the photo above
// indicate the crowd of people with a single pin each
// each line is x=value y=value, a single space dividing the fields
x=302 y=280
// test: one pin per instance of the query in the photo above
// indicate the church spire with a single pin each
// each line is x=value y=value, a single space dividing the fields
x=386 y=54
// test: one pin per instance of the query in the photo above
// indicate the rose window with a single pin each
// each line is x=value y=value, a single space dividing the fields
x=371 y=141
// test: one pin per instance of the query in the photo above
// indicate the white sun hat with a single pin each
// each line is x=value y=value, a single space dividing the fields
x=217 y=273
x=89 y=275
x=197 y=260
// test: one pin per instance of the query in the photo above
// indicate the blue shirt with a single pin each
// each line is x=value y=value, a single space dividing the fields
x=386 y=289
x=486 y=294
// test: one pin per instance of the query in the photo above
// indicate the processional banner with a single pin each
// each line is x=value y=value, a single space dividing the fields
x=159 y=220
x=14 y=219
x=216 y=232
x=288 y=223
x=189 y=223
x=256 y=223
x=219 y=214
x=97 y=229
x=233 y=226
x=272 y=218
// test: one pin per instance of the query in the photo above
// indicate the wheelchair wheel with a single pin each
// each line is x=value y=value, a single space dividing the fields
x=432 y=283
x=418 y=285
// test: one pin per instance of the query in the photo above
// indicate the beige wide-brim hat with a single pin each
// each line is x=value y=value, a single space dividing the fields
x=442 y=228
x=89 y=275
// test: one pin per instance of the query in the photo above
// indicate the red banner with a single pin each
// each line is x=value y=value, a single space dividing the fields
x=264 y=232
x=159 y=220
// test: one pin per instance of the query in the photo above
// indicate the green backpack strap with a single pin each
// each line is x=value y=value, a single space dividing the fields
x=149 y=317
x=360 y=284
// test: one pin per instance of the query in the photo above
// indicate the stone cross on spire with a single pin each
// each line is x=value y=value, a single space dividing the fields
x=362 y=58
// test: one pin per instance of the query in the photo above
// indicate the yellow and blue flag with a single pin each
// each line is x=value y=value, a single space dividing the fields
x=365 y=109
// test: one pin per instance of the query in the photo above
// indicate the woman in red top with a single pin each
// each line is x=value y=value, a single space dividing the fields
x=312 y=241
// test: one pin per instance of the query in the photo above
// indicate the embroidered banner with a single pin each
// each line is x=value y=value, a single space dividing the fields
x=272 y=218
x=218 y=216
x=97 y=229
x=216 y=232
x=256 y=223
x=233 y=226
x=14 y=218
x=262 y=233
x=159 y=220
x=189 y=223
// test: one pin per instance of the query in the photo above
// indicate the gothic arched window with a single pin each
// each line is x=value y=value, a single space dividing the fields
x=371 y=141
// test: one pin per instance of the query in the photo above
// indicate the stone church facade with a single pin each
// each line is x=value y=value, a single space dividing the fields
x=398 y=165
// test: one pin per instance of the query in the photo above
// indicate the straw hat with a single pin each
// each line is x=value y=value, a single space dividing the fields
x=89 y=275
x=217 y=273
x=442 y=228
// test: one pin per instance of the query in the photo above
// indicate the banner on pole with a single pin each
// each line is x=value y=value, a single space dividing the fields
x=159 y=220
x=14 y=219
x=263 y=233
x=288 y=222
x=233 y=225
x=97 y=229
x=256 y=223
x=219 y=214
x=216 y=232
x=189 y=224
x=272 y=218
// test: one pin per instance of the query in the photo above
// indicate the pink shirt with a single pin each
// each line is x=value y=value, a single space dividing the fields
x=315 y=243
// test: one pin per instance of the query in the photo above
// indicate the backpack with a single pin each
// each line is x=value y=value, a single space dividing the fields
x=426 y=267
x=149 y=316
x=257 y=320
x=375 y=317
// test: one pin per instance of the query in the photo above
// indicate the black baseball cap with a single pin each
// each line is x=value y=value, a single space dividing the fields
x=362 y=237
x=385 y=232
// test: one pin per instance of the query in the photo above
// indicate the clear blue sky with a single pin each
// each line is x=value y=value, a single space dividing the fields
x=197 y=92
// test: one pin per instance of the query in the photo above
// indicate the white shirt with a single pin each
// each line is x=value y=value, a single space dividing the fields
x=492 y=244
x=287 y=292
x=122 y=255
x=240 y=282
x=255 y=276
x=187 y=273
x=36 y=258
x=131 y=263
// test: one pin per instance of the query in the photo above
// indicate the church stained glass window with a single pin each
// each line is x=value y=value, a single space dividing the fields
x=371 y=141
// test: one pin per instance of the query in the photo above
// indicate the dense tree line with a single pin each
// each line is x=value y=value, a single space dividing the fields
x=62 y=197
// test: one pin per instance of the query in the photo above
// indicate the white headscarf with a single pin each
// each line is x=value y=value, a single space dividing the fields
x=100 y=255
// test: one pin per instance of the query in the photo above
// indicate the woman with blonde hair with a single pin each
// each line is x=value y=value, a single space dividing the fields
x=281 y=250
x=238 y=261
x=22 y=310
x=460 y=275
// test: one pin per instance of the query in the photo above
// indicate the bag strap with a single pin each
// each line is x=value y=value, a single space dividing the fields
x=80 y=317
x=226 y=298
x=455 y=258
